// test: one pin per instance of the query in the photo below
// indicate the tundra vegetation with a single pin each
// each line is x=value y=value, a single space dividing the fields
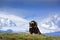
x=26 y=36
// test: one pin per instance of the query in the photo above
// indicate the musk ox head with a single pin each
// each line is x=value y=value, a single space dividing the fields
x=32 y=24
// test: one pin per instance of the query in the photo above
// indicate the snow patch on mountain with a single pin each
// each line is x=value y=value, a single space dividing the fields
x=5 y=22
x=12 y=22
x=49 y=24
x=18 y=24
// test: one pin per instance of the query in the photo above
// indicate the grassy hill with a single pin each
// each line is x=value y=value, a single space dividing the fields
x=25 y=36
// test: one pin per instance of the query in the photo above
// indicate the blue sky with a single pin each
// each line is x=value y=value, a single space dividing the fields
x=31 y=8
x=38 y=10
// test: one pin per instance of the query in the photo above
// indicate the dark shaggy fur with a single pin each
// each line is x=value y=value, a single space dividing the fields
x=33 y=28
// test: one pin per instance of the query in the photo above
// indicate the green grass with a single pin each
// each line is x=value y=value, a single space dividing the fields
x=25 y=36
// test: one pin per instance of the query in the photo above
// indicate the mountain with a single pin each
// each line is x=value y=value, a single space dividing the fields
x=9 y=30
x=54 y=33
x=2 y=31
x=5 y=22
x=9 y=23
x=50 y=24
x=12 y=23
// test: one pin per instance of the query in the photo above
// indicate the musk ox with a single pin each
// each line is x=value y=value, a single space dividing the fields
x=33 y=28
